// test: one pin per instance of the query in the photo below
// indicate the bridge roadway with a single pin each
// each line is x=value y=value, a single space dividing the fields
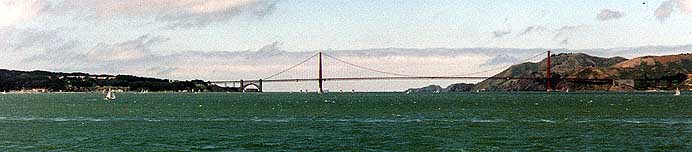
x=410 y=78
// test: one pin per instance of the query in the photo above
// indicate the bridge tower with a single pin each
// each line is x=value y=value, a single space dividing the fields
x=547 y=74
x=319 y=80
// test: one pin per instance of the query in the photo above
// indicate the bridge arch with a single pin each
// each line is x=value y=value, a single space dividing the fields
x=246 y=87
x=245 y=84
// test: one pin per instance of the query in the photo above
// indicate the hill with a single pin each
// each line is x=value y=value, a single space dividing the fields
x=459 y=87
x=12 y=80
x=641 y=73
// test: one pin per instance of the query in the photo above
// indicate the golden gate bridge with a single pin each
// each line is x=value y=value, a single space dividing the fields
x=320 y=79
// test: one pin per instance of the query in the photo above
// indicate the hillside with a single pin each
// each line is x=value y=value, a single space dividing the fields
x=11 y=80
x=459 y=87
x=570 y=69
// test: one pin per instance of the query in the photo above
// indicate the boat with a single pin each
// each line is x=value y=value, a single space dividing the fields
x=109 y=95
x=677 y=91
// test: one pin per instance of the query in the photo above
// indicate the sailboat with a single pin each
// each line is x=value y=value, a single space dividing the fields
x=677 y=91
x=109 y=95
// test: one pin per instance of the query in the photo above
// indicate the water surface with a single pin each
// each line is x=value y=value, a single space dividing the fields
x=348 y=122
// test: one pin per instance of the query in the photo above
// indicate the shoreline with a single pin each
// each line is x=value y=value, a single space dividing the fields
x=485 y=92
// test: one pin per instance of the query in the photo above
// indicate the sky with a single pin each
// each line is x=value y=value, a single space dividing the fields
x=245 y=39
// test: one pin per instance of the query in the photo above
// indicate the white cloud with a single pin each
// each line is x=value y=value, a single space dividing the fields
x=175 y=13
x=663 y=12
x=567 y=31
x=685 y=6
x=501 y=33
x=666 y=8
x=608 y=14
x=561 y=35
x=532 y=29
x=128 y=50
x=14 y=11
x=136 y=57
x=33 y=40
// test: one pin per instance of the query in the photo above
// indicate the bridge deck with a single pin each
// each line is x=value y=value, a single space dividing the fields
x=408 y=78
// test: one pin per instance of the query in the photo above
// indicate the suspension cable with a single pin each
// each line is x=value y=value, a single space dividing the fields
x=392 y=73
x=366 y=68
x=503 y=67
x=290 y=68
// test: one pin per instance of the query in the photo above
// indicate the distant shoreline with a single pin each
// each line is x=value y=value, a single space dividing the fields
x=484 y=92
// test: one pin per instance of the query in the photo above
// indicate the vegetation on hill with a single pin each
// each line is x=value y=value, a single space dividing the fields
x=459 y=87
x=576 y=71
x=81 y=82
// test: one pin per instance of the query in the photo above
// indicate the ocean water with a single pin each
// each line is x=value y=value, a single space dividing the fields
x=346 y=122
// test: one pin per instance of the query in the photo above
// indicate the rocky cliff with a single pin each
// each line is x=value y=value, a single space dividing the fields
x=577 y=71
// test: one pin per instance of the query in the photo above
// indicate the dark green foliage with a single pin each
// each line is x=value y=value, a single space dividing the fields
x=460 y=87
x=54 y=81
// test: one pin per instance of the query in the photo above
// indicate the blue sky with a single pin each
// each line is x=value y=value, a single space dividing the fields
x=208 y=39
x=302 y=25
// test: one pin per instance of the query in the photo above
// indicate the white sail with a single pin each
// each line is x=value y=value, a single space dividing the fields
x=677 y=91
x=110 y=95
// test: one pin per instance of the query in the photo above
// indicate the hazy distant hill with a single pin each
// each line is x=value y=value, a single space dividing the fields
x=459 y=87
x=672 y=71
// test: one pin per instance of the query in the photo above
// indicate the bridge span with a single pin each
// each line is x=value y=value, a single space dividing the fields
x=243 y=84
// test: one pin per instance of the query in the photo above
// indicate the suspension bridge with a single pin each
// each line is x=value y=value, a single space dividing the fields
x=320 y=79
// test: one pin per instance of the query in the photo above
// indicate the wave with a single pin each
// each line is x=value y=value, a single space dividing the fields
x=236 y=119
x=341 y=120
x=640 y=121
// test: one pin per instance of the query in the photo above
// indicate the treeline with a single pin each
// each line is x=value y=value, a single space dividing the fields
x=82 y=82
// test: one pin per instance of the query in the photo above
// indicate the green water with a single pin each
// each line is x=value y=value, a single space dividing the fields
x=346 y=122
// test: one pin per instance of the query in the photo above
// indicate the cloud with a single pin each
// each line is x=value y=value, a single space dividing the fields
x=560 y=35
x=236 y=65
x=685 y=6
x=568 y=31
x=33 y=40
x=608 y=14
x=14 y=11
x=128 y=50
x=564 y=41
x=174 y=13
x=666 y=8
x=161 y=71
x=532 y=29
x=501 y=59
x=270 y=50
x=138 y=57
x=501 y=33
